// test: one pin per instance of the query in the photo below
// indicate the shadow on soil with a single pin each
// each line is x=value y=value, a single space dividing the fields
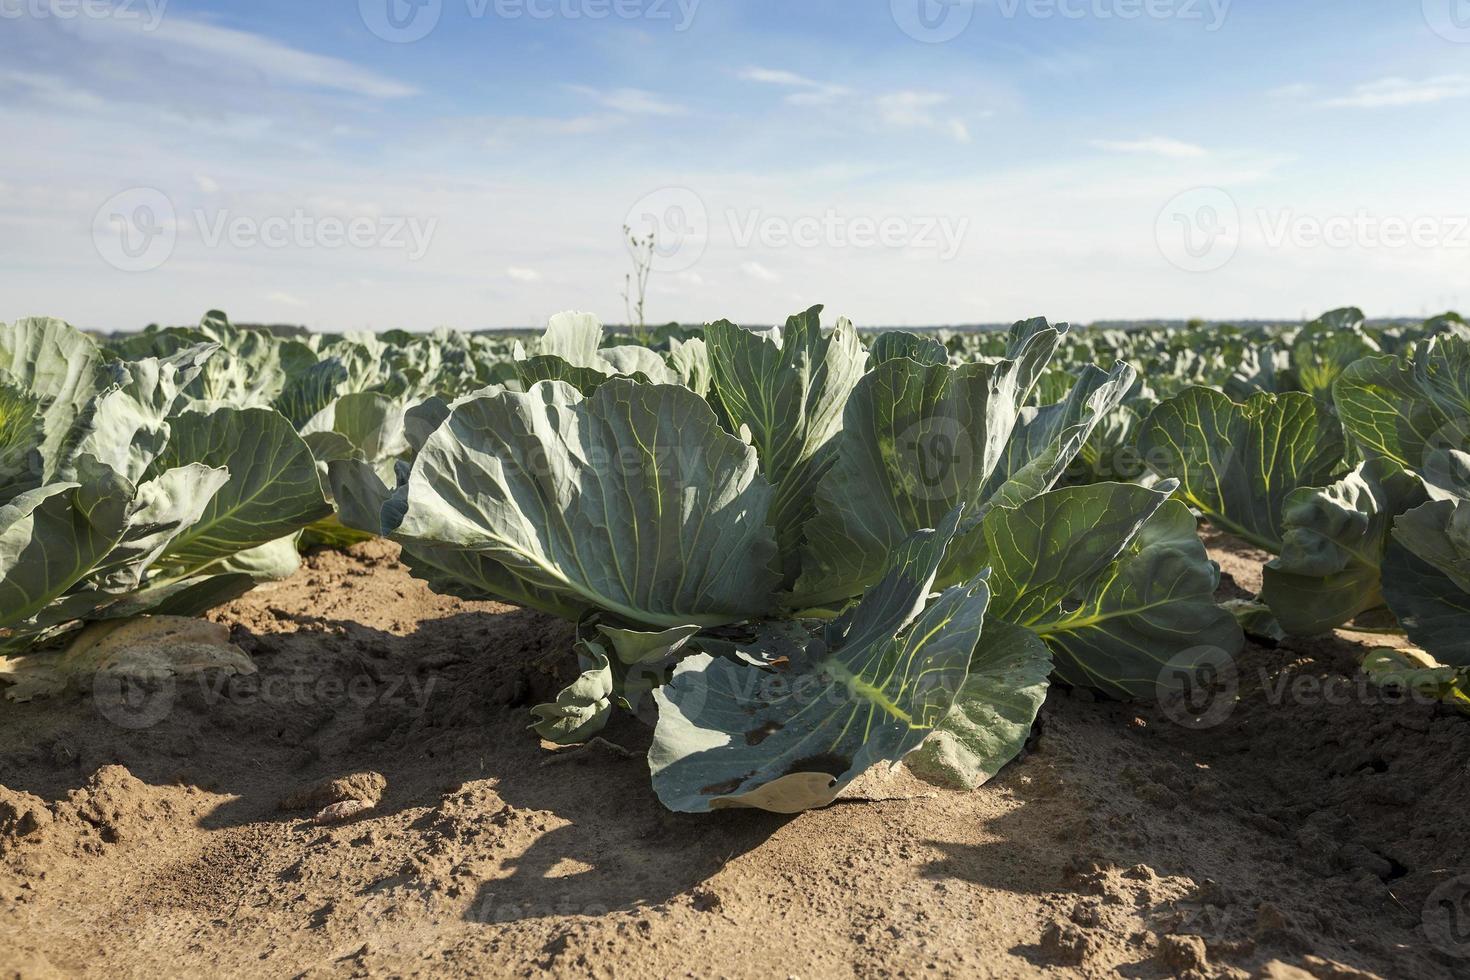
x=430 y=711
x=613 y=853
x=329 y=698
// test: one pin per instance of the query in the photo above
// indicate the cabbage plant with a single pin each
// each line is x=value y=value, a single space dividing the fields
x=1411 y=413
x=1357 y=497
x=825 y=559
x=347 y=395
x=1393 y=531
x=1427 y=580
x=117 y=499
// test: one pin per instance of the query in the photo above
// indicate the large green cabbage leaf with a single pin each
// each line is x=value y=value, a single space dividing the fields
x=869 y=689
x=1113 y=577
x=632 y=501
x=920 y=439
x=1405 y=408
x=61 y=370
x=1237 y=463
x=788 y=388
x=991 y=718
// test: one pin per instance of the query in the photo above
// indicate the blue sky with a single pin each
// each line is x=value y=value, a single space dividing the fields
x=472 y=165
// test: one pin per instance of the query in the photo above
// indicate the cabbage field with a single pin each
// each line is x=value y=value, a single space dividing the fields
x=786 y=556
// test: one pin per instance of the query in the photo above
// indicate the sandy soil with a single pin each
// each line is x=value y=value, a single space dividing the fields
x=1310 y=830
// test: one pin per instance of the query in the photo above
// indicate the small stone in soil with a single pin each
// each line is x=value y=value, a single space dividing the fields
x=365 y=786
x=342 y=812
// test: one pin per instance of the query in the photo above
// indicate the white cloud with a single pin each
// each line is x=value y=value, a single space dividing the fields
x=759 y=272
x=210 y=47
x=914 y=109
x=285 y=299
x=809 y=90
x=184 y=83
x=633 y=101
x=53 y=91
x=206 y=183
x=522 y=275
x=775 y=76
x=1159 y=146
x=1402 y=92
x=904 y=108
